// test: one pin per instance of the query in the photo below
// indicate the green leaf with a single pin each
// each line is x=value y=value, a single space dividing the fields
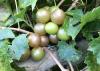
x=91 y=16
x=19 y=46
x=6 y=33
x=97 y=12
x=73 y=30
x=18 y=17
x=91 y=62
x=4 y=43
x=65 y=25
x=90 y=28
x=88 y=35
x=5 y=12
x=15 y=66
x=67 y=52
x=76 y=15
x=5 y=59
x=94 y=46
x=26 y=3
x=33 y=5
x=1 y=1
x=73 y=26
x=9 y=22
x=88 y=17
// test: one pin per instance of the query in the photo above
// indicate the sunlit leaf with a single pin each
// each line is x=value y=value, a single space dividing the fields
x=6 y=33
x=19 y=46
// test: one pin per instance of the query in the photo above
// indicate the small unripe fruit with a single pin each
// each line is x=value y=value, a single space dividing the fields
x=53 y=39
x=37 y=53
x=34 y=40
x=44 y=41
x=51 y=28
x=62 y=35
x=43 y=15
x=58 y=16
x=39 y=28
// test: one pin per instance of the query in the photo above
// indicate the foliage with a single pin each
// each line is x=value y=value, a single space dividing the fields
x=92 y=62
x=5 y=59
x=19 y=46
x=78 y=21
x=72 y=27
x=94 y=47
x=6 y=33
x=24 y=4
x=67 y=52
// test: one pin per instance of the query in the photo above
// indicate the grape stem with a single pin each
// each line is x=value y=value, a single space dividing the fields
x=50 y=53
x=73 y=5
x=17 y=11
x=16 y=29
x=56 y=60
x=60 y=3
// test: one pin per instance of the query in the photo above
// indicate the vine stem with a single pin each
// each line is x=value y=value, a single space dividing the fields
x=50 y=53
x=59 y=4
x=56 y=60
x=16 y=29
x=17 y=11
x=54 y=2
x=73 y=5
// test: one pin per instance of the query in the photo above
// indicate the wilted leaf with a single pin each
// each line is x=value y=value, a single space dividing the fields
x=6 y=33
x=19 y=46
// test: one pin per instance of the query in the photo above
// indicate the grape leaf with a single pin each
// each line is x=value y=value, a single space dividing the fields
x=74 y=28
x=33 y=4
x=67 y=52
x=19 y=46
x=91 y=62
x=6 y=33
x=89 y=29
x=26 y=3
x=18 y=17
x=9 y=22
x=5 y=12
x=91 y=16
x=94 y=46
x=5 y=59
x=1 y=1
